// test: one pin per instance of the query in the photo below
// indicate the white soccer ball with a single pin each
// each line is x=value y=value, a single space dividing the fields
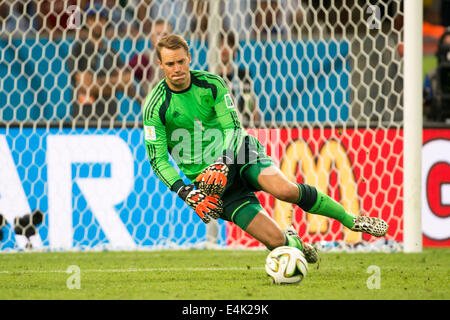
x=286 y=265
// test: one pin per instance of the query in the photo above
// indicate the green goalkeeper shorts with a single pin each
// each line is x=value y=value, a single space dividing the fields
x=240 y=204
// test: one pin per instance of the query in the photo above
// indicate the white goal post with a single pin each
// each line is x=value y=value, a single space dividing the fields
x=413 y=127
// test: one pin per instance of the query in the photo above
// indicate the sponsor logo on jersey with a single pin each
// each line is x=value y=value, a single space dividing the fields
x=150 y=133
x=207 y=101
x=229 y=101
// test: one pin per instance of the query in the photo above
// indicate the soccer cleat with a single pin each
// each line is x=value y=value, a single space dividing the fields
x=373 y=226
x=311 y=254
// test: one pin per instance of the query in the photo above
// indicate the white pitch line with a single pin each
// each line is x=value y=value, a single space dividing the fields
x=131 y=270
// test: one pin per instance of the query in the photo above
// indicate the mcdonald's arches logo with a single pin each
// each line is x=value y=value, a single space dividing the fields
x=316 y=171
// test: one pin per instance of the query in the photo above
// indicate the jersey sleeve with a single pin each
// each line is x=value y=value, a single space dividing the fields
x=229 y=121
x=156 y=147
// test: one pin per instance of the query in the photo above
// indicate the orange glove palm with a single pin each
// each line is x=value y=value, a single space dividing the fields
x=213 y=179
x=204 y=205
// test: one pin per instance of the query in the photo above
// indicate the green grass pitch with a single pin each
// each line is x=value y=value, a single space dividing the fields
x=220 y=275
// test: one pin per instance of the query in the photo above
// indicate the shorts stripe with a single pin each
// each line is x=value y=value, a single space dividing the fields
x=253 y=162
x=234 y=212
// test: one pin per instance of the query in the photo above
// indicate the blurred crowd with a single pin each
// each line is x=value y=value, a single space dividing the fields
x=135 y=17
x=254 y=18
x=98 y=73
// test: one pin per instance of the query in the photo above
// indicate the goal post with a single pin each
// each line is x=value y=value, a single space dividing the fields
x=214 y=26
x=323 y=85
x=413 y=127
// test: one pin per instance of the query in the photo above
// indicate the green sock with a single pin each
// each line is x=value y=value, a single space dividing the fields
x=328 y=207
x=292 y=241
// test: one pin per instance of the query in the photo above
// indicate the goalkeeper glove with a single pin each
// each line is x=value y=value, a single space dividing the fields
x=213 y=178
x=204 y=205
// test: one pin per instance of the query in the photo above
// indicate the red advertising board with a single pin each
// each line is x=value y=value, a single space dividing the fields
x=360 y=168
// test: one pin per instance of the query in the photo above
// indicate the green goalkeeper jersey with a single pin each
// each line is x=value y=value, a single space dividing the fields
x=195 y=125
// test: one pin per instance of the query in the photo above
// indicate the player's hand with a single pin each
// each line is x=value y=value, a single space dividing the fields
x=213 y=179
x=205 y=206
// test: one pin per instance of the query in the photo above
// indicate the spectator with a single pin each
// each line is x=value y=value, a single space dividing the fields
x=239 y=80
x=432 y=27
x=54 y=17
x=142 y=25
x=119 y=18
x=18 y=17
x=97 y=71
x=436 y=102
x=145 y=65
x=199 y=12
x=269 y=19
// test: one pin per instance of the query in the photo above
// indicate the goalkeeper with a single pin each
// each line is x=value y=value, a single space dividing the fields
x=190 y=114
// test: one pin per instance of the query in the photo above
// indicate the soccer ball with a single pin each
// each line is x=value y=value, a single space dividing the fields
x=286 y=265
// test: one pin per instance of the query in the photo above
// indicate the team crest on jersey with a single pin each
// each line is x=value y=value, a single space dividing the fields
x=176 y=114
x=149 y=133
x=207 y=101
x=228 y=101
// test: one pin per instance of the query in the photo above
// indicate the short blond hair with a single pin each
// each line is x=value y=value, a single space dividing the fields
x=172 y=42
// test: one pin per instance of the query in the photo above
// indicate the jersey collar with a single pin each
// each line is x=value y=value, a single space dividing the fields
x=181 y=91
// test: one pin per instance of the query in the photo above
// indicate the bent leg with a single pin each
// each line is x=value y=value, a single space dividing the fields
x=250 y=216
x=264 y=229
x=308 y=198
x=273 y=181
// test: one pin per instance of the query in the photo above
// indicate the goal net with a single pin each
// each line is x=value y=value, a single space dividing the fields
x=318 y=82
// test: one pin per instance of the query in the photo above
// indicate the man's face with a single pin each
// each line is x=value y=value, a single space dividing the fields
x=175 y=64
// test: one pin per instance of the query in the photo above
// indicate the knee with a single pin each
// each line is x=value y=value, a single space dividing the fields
x=277 y=240
x=288 y=192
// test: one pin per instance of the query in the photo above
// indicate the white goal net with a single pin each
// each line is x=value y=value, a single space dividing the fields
x=318 y=82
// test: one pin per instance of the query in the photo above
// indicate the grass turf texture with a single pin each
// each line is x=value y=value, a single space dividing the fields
x=223 y=275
